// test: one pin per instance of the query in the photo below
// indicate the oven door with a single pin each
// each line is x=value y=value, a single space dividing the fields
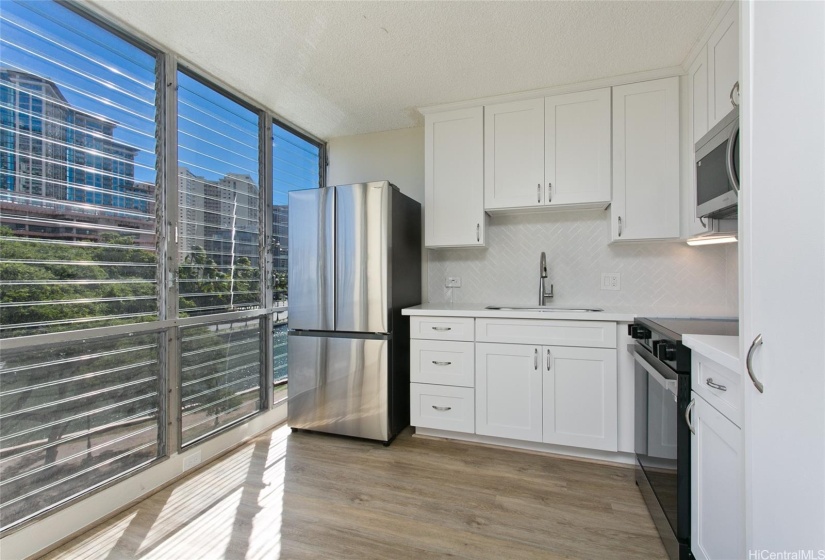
x=660 y=447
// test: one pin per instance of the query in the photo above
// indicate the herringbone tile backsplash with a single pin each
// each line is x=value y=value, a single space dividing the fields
x=656 y=277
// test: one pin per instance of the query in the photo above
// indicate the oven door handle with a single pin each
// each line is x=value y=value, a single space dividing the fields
x=671 y=385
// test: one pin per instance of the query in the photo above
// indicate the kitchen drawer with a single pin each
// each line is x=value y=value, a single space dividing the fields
x=442 y=328
x=728 y=401
x=442 y=362
x=442 y=407
x=589 y=334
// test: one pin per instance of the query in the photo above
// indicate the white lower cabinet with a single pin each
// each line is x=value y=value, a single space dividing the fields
x=717 y=503
x=442 y=407
x=508 y=391
x=543 y=381
x=580 y=397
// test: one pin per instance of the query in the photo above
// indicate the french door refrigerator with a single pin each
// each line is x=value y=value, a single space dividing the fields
x=354 y=263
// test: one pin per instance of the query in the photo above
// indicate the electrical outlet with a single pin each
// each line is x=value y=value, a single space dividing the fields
x=191 y=461
x=453 y=282
x=611 y=281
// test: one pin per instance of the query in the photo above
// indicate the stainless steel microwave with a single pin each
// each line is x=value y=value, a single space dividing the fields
x=717 y=169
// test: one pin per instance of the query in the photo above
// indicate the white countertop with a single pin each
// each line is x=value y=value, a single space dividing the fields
x=479 y=310
x=724 y=350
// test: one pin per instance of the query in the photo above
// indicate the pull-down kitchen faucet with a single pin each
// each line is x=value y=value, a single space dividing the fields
x=543 y=295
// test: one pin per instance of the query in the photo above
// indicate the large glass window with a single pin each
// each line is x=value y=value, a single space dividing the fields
x=114 y=374
x=296 y=165
x=218 y=200
x=219 y=257
x=77 y=174
x=77 y=251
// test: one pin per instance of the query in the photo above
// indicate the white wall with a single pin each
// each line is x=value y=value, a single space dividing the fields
x=395 y=155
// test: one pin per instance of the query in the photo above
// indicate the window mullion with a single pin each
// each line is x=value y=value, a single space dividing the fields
x=168 y=223
x=266 y=284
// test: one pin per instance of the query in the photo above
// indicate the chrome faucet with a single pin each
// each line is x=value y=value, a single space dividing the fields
x=543 y=294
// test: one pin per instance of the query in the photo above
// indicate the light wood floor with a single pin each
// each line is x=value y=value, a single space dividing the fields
x=305 y=495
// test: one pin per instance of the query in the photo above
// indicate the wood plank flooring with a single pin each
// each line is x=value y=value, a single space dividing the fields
x=301 y=495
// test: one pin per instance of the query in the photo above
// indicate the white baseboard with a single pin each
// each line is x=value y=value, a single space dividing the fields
x=616 y=458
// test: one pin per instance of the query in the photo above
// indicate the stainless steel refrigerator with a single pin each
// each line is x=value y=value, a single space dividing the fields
x=354 y=263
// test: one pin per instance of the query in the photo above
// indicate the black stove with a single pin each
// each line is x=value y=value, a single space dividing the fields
x=663 y=394
x=662 y=337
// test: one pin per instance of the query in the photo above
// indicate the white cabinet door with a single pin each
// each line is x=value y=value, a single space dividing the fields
x=723 y=65
x=698 y=122
x=717 y=505
x=514 y=154
x=508 y=391
x=577 y=148
x=783 y=275
x=646 y=160
x=454 y=178
x=580 y=397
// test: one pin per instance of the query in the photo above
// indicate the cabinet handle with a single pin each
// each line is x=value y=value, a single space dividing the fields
x=733 y=89
x=549 y=192
x=715 y=385
x=478 y=233
x=536 y=359
x=442 y=328
x=687 y=415
x=702 y=221
x=757 y=342
x=620 y=226
x=538 y=193
x=448 y=363
x=548 y=360
x=442 y=408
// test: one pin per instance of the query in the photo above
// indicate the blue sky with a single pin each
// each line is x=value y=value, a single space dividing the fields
x=216 y=135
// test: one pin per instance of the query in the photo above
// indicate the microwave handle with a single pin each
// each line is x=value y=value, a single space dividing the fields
x=729 y=159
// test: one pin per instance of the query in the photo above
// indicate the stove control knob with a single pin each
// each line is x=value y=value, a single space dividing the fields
x=666 y=351
x=639 y=332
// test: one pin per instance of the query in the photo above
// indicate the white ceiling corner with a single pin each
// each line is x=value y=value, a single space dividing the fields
x=345 y=68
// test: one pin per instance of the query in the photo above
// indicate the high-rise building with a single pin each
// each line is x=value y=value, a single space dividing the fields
x=220 y=216
x=62 y=173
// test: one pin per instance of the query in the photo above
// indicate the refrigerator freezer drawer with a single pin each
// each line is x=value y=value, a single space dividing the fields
x=339 y=385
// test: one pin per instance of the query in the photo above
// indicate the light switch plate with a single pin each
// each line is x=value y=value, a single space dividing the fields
x=453 y=282
x=611 y=281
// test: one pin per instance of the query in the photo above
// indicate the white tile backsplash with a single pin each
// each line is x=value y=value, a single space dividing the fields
x=670 y=277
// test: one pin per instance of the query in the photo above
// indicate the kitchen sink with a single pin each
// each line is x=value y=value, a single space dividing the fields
x=548 y=309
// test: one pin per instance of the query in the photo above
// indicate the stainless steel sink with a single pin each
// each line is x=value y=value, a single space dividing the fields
x=548 y=309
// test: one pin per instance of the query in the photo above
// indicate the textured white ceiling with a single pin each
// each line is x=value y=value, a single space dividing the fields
x=342 y=68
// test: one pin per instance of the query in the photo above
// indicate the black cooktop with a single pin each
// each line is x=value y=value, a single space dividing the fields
x=674 y=328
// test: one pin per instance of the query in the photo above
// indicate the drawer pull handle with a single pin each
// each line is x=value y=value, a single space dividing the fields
x=715 y=385
x=442 y=328
x=441 y=363
x=442 y=408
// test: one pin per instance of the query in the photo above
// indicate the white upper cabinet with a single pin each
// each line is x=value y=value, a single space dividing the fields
x=514 y=154
x=549 y=152
x=646 y=161
x=454 y=178
x=577 y=148
x=723 y=65
x=698 y=122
